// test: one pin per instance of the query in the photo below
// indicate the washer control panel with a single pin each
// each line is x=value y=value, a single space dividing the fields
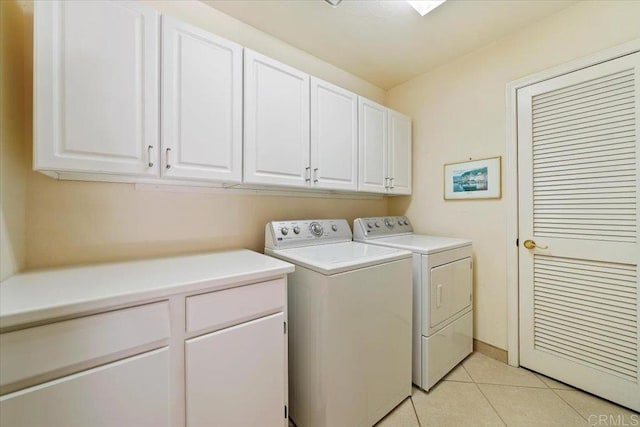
x=288 y=234
x=382 y=226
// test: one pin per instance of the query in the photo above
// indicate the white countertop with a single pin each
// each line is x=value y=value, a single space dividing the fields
x=45 y=294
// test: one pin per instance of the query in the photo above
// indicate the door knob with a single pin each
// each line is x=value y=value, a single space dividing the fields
x=530 y=244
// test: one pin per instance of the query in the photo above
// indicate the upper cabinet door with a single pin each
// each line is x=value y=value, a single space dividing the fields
x=201 y=104
x=334 y=137
x=399 y=153
x=96 y=87
x=276 y=122
x=372 y=134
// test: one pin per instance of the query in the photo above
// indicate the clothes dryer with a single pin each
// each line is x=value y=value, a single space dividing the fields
x=442 y=294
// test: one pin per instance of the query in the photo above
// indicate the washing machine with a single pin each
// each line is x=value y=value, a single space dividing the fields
x=349 y=311
x=442 y=294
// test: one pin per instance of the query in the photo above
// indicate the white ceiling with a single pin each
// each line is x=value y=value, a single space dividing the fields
x=386 y=42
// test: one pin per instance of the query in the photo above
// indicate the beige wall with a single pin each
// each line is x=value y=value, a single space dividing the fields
x=459 y=112
x=50 y=223
x=79 y=222
x=15 y=131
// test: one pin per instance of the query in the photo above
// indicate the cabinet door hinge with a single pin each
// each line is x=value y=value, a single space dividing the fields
x=285 y=328
x=285 y=412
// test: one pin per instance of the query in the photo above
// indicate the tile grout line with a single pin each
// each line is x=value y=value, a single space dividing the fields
x=465 y=371
x=484 y=395
x=544 y=385
x=414 y=410
x=538 y=375
x=490 y=404
x=570 y=405
x=514 y=385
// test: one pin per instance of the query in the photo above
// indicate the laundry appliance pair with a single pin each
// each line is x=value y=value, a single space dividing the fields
x=356 y=310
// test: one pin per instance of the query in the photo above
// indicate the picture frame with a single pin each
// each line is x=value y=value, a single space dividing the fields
x=473 y=179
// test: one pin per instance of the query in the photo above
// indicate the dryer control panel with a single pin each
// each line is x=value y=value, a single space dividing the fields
x=381 y=226
x=297 y=233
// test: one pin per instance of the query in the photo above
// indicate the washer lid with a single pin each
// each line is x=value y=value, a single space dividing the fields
x=420 y=243
x=339 y=257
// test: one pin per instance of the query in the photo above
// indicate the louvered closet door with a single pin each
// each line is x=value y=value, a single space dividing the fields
x=578 y=187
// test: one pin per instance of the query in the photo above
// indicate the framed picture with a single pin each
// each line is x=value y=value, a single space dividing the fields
x=474 y=179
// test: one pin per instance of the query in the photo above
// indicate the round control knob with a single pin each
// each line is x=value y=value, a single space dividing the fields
x=369 y=225
x=316 y=229
x=388 y=222
x=406 y=222
x=334 y=227
x=377 y=224
x=296 y=229
x=284 y=231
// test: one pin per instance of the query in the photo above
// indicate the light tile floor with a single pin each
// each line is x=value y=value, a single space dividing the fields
x=485 y=392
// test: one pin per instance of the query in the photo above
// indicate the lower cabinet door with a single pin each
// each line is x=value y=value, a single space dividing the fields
x=236 y=376
x=130 y=392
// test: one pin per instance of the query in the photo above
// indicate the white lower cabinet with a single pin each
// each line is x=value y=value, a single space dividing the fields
x=69 y=346
x=234 y=377
x=204 y=348
x=130 y=392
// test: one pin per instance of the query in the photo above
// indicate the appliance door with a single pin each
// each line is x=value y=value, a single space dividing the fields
x=450 y=291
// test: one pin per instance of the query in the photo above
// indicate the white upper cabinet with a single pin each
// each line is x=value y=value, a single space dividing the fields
x=399 y=153
x=334 y=137
x=385 y=149
x=201 y=104
x=225 y=115
x=373 y=137
x=276 y=123
x=96 y=87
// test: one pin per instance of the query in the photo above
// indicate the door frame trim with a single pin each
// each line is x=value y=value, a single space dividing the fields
x=510 y=177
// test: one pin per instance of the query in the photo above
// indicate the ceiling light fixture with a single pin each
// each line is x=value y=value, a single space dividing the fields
x=333 y=3
x=423 y=6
